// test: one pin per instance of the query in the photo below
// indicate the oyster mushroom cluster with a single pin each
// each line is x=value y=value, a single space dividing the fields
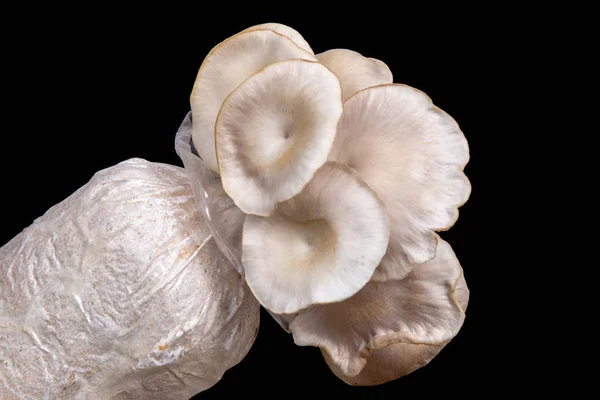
x=344 y=177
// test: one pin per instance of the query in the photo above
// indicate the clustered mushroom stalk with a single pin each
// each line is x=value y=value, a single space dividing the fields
x=344 y=178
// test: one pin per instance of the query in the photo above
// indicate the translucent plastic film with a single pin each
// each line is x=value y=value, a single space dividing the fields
x=120 y=292
x=225 y=219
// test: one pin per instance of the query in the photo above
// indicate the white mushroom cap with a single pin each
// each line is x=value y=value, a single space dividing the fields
x=412 y=154
x=286 y=31
x=422 y=309
x=274 y=131
x=398 y=359
x=355 y=71
x=322 y=246
x=224 y=68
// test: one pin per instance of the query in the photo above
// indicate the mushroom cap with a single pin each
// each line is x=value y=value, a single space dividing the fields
x=321 y=246
x=355 y=71
x=421 y=309
x=226 y=66
x=286 y=31
x=388 y=363
x=412 y=154
x=396 y=360
x=274 y=131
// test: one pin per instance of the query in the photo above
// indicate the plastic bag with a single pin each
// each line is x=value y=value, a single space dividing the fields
x=225 y=219
x=120 y=291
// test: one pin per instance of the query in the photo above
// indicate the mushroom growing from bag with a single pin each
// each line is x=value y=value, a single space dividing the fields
x=120 y=291
x=344 y=249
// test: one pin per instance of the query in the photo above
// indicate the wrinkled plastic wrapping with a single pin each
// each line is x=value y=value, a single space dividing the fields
x=225 y=219
x=121 y=292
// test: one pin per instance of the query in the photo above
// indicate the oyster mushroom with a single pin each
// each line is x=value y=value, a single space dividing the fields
x=274 y=131
x=286 y=31
x=355 y=71
x=226 y=66
x=389 y=329
x=412 y=154
x=321 y=246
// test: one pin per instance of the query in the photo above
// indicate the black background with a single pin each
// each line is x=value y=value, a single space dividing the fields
x=86 y=89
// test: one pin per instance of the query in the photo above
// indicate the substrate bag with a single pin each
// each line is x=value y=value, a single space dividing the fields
x=121 y=291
